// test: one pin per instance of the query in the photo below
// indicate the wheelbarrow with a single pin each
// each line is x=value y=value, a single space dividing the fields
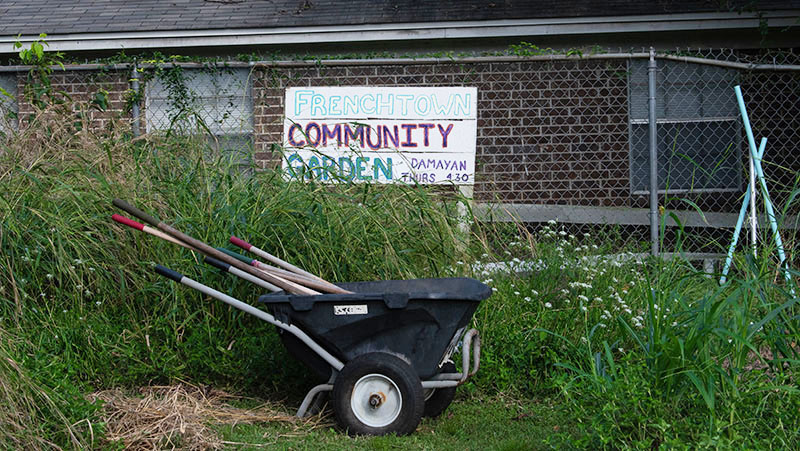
x=385 y=348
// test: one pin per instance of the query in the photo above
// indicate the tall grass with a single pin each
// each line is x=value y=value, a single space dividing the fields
x=644 y=352
x=719 y=360
x=33 y=416
x=79 y=291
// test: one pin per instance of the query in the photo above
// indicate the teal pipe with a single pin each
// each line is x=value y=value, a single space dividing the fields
x=773 y=223
x=760 y=175
x=738 y=229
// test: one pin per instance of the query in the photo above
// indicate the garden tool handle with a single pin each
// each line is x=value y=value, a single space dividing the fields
x=121 y=204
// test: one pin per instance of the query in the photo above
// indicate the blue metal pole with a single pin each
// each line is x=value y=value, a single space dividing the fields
x=760 y=175
x=738 y=229
x=773 y=223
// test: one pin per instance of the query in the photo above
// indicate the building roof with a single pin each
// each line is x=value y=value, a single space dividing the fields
x=228 y=26
x=112 y=16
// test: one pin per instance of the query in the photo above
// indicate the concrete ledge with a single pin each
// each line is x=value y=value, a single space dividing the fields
x=578 y=214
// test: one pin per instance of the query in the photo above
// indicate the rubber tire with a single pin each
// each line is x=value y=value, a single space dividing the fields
x=395 y=369
x=437 y=403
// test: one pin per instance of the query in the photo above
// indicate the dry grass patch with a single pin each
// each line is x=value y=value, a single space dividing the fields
x=178 y=417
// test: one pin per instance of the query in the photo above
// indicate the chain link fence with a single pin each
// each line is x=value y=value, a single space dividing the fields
x=703 y=153
x=214 y=103
x=559 y=138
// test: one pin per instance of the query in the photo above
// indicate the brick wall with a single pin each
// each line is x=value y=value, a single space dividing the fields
x=76 y=89
x=548 y=132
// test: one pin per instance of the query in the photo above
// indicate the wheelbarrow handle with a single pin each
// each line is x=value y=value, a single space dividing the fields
x=334 y=362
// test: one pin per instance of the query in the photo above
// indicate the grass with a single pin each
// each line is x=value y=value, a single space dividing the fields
x=474 y=422
x=615 y=352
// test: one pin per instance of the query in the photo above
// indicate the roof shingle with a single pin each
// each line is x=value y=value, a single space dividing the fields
x=109 y=16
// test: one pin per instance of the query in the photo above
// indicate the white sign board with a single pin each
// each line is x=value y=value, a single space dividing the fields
x=381 y=134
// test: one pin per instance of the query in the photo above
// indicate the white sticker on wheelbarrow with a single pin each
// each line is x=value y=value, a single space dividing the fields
x=350 y=310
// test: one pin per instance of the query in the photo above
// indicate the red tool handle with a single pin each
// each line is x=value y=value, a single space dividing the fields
x=127 y=221
x=241 y=243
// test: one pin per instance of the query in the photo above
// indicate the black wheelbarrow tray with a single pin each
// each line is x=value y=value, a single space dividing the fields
x=385 y=349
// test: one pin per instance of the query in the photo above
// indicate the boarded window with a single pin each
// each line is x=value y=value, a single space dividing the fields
x=699 y=134
x=217 y=103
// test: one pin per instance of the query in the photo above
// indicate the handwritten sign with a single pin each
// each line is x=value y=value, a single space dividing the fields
x=381 y=134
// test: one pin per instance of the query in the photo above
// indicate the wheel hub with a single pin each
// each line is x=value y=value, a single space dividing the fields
x=376 y=400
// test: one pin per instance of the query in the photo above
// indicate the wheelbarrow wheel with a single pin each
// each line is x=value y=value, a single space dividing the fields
x=438 y=399
x=377 y=394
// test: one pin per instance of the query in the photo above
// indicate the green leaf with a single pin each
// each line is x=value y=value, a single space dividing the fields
x=706 y=393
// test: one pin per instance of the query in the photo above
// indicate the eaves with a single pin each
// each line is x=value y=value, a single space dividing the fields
x=435 y=31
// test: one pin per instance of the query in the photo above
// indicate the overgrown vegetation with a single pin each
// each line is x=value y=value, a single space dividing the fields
x=638 y=352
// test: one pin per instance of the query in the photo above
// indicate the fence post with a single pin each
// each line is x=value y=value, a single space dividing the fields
x=651 y=84
x=135 y=121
